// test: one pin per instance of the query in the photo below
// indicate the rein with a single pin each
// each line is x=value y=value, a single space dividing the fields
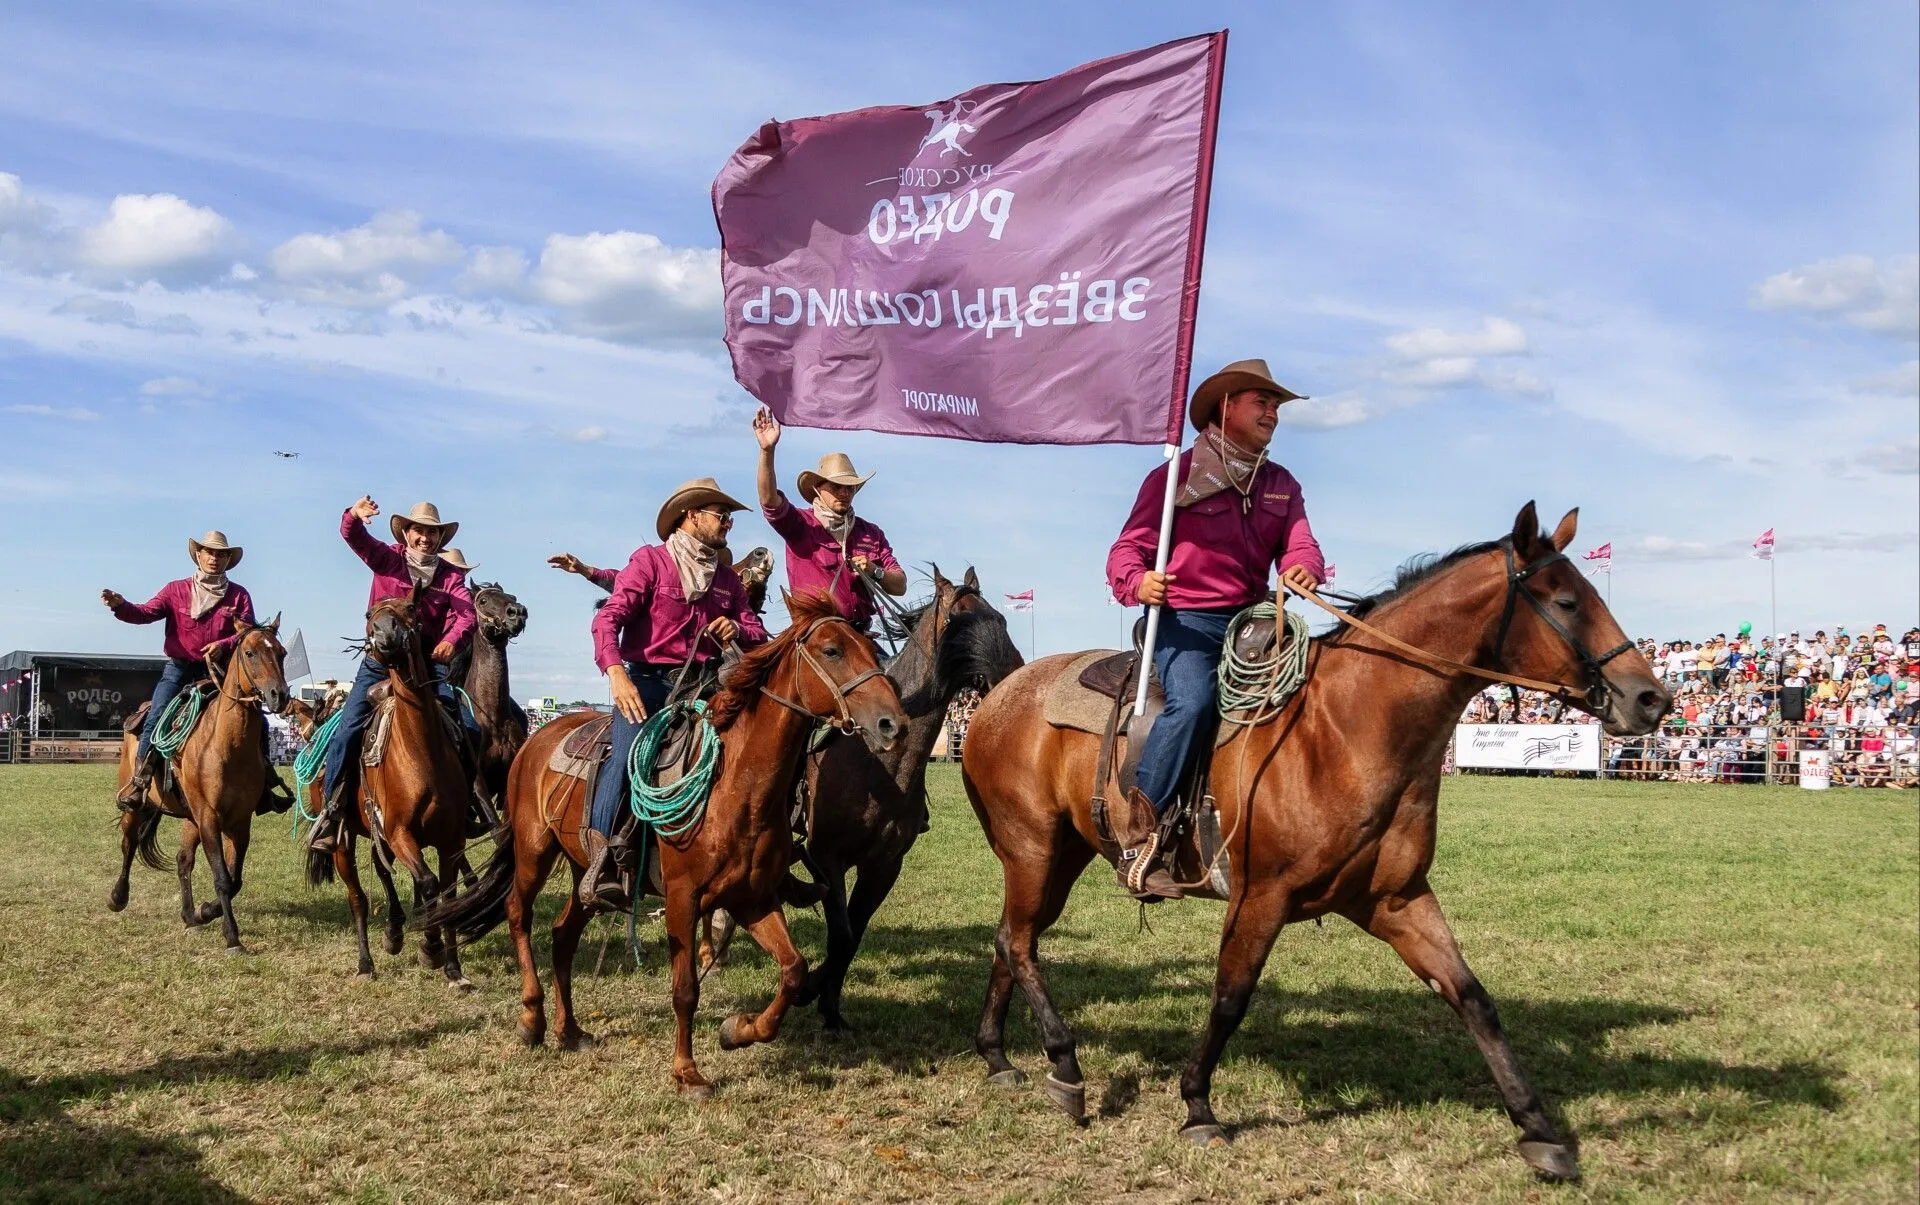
x=1592 y=667
x=841 y=718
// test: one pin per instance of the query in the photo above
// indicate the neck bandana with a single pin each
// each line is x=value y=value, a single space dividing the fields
x=208 y=590
x=696 y=563
x=1219 y=465
x=839 y=526
x=422 y=569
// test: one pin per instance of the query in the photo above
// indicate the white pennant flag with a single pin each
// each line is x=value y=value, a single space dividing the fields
x=297 y=665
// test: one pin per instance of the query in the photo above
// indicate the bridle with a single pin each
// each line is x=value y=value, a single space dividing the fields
x=1597 y=689
x=842 y=718
x=221 y=677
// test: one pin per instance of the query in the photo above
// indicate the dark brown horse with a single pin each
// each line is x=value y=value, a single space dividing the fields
x=735 y=858
x=503 y=726
x=415 y=800
x=217 y=779
x=1328 y=808
x=866 y=808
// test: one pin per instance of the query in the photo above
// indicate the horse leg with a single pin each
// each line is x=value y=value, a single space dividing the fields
x=682 y=918
x=212 y=840
x=716 y=934
x=346 y=868
x=870 y=890
x=819 y=984
x=407 y=852
x=396 y=915
x=451 y=863
x=531 y=865
x=1036 y=892
x=1418 y=932
x=1253 y=923
x=769 y=932
x=183 y=866
x=129 y=845
x=225 y=855
x=567 y=928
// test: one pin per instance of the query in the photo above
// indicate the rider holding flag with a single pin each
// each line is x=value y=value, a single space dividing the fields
x=1237 y=514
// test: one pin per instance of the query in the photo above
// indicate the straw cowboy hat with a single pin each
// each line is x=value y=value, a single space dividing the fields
x=423 y=514
x=458 y=559
x=215 y=541
x=692 y=495
x=835 y=467
x=1239 y=375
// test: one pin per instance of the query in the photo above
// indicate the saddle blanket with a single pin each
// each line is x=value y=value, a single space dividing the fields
x=373 y=744
x=1070 y=705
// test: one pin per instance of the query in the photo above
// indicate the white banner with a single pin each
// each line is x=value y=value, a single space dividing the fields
x=1527 y=746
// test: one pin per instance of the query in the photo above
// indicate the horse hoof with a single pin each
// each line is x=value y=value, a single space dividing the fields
x=1012 y=1077
x=238 y=951
x=1072 y=1098
x=578 y=1040
x=695 y=1093
x=730 y=1038
x=116 y=899
x=528 y=1035
x=433 y=960
x=1207 y=1136
x=396 y=942
x=365 y=973
x=462 y=984
x=1550 y=1160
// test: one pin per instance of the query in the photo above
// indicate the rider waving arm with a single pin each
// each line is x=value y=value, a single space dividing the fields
x=632 y=592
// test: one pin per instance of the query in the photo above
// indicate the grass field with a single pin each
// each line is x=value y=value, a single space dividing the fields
x=1714 y=987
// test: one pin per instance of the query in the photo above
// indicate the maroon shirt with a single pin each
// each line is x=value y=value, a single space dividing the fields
x=1221 y=550
x=650 y=621
x=445 y=612
x=813 y=557
x=186 y=636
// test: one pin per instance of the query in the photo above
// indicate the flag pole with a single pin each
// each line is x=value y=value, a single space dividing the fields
x=1773 y=596
x=1183 y=356
x=1033 y=627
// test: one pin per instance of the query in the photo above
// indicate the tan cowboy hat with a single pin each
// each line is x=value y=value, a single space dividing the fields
x=215 y=541
x=835 y=467
x=692 y=495
x=458 y=559
x=423 y=514
x=1239 y=375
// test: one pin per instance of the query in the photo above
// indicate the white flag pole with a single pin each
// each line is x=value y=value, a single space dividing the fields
x=1172 y=453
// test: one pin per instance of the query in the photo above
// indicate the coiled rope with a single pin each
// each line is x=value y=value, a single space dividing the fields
x=676 y=808
x=307 y=766
x=1253 y=690
x=176 y=722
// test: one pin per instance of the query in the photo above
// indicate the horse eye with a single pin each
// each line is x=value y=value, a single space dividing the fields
x=832 y=650
x=1567 y=603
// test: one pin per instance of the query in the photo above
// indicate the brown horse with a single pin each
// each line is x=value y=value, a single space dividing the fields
x=415 y=800
x=218 y=775
x=866 y=809
x=1328 y=808
x=820 y=668
x=499 y=617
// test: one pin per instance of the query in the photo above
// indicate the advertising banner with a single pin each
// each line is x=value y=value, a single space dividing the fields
x=1016 y=264
x=1527 y=746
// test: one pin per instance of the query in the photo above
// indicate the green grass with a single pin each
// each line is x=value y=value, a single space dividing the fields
x=1715 y=987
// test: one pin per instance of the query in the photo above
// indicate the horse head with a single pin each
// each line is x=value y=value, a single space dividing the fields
x=963 y=640
x=390 y=630
x=501 y=616
x=834 y=670
x=258 y=665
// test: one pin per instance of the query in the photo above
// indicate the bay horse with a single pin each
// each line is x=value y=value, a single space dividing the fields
x=867 y=808
x=503 y=726
x=1329 y=807
x=415 y=800
x=218 y=776
x=819 y=668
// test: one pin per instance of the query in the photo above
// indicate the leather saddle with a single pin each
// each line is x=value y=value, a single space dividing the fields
x=133 y=723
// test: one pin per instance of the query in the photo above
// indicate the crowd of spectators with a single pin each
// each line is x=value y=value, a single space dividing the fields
x=1858 y=695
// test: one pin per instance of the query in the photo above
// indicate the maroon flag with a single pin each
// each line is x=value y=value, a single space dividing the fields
x=1601 y=558
x=1017 y=264
x=1763 y=547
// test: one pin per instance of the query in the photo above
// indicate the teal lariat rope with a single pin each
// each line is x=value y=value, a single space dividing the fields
x=676 y=808
x=176 y=723
x=1253 y=690
x=307 y=766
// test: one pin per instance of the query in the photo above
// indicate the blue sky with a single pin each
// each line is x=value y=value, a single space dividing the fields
x=1655 y=261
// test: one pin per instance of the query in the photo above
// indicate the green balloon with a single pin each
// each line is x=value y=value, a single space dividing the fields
x=1746 y=629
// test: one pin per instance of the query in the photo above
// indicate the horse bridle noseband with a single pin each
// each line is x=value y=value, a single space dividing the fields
x=220 y=677
x=1592 y=667
x=841 y=718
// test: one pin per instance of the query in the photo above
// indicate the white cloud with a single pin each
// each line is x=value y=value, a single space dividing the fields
x=1852 y=288
x=369 y=266
x=1900 y=458
x=18 y=210
x=1496 y=337
x=584 y=435
x=630 y=287
x=1431 y=357
x=174 y=387
x=1903 y=381
x=1665 y=548
x=493 y=270
x=1326 y=413
x=155 y=237
x=79 y=414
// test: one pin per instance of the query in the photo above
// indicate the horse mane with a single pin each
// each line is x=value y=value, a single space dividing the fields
x=1416 y=571
x=741 y=684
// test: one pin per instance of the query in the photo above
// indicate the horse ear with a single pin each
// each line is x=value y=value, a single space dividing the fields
x=239 y=624
x=1526 y=530
x=972 y=580
x=274 y=626
x=940 y=583
x=1563 y=534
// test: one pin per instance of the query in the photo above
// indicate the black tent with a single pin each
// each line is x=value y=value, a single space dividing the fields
x=74 y=694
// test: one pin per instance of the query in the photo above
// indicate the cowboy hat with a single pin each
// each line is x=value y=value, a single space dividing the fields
x=423 y=514
x=1239 y=375
x=215 y=541
x=835 y=467
x=692 y=495
x=458 y=559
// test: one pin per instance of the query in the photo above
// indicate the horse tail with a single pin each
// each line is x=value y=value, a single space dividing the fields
x=319 y=867
x=476 y=912
x=146 y=830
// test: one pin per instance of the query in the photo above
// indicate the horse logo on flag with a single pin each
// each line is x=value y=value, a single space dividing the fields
x=947 y=129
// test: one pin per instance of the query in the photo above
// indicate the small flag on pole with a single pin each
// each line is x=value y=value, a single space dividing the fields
x=1328 y=580
x=1022 y=601
x=297 y=665
x=1601 y=558
x=1763 y=547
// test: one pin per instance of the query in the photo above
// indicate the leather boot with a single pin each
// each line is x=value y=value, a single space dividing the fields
x=601 y=886
x=1139 y=867
x=135 y=792
x=326 y=830
x=274 y=795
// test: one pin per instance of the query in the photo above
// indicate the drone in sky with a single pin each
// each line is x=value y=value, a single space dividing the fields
x=288 y=455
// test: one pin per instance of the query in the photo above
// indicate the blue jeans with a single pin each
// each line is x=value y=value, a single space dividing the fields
x=356 y=710
x=610 y=791
x=1186 y=658
x=173 y=679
